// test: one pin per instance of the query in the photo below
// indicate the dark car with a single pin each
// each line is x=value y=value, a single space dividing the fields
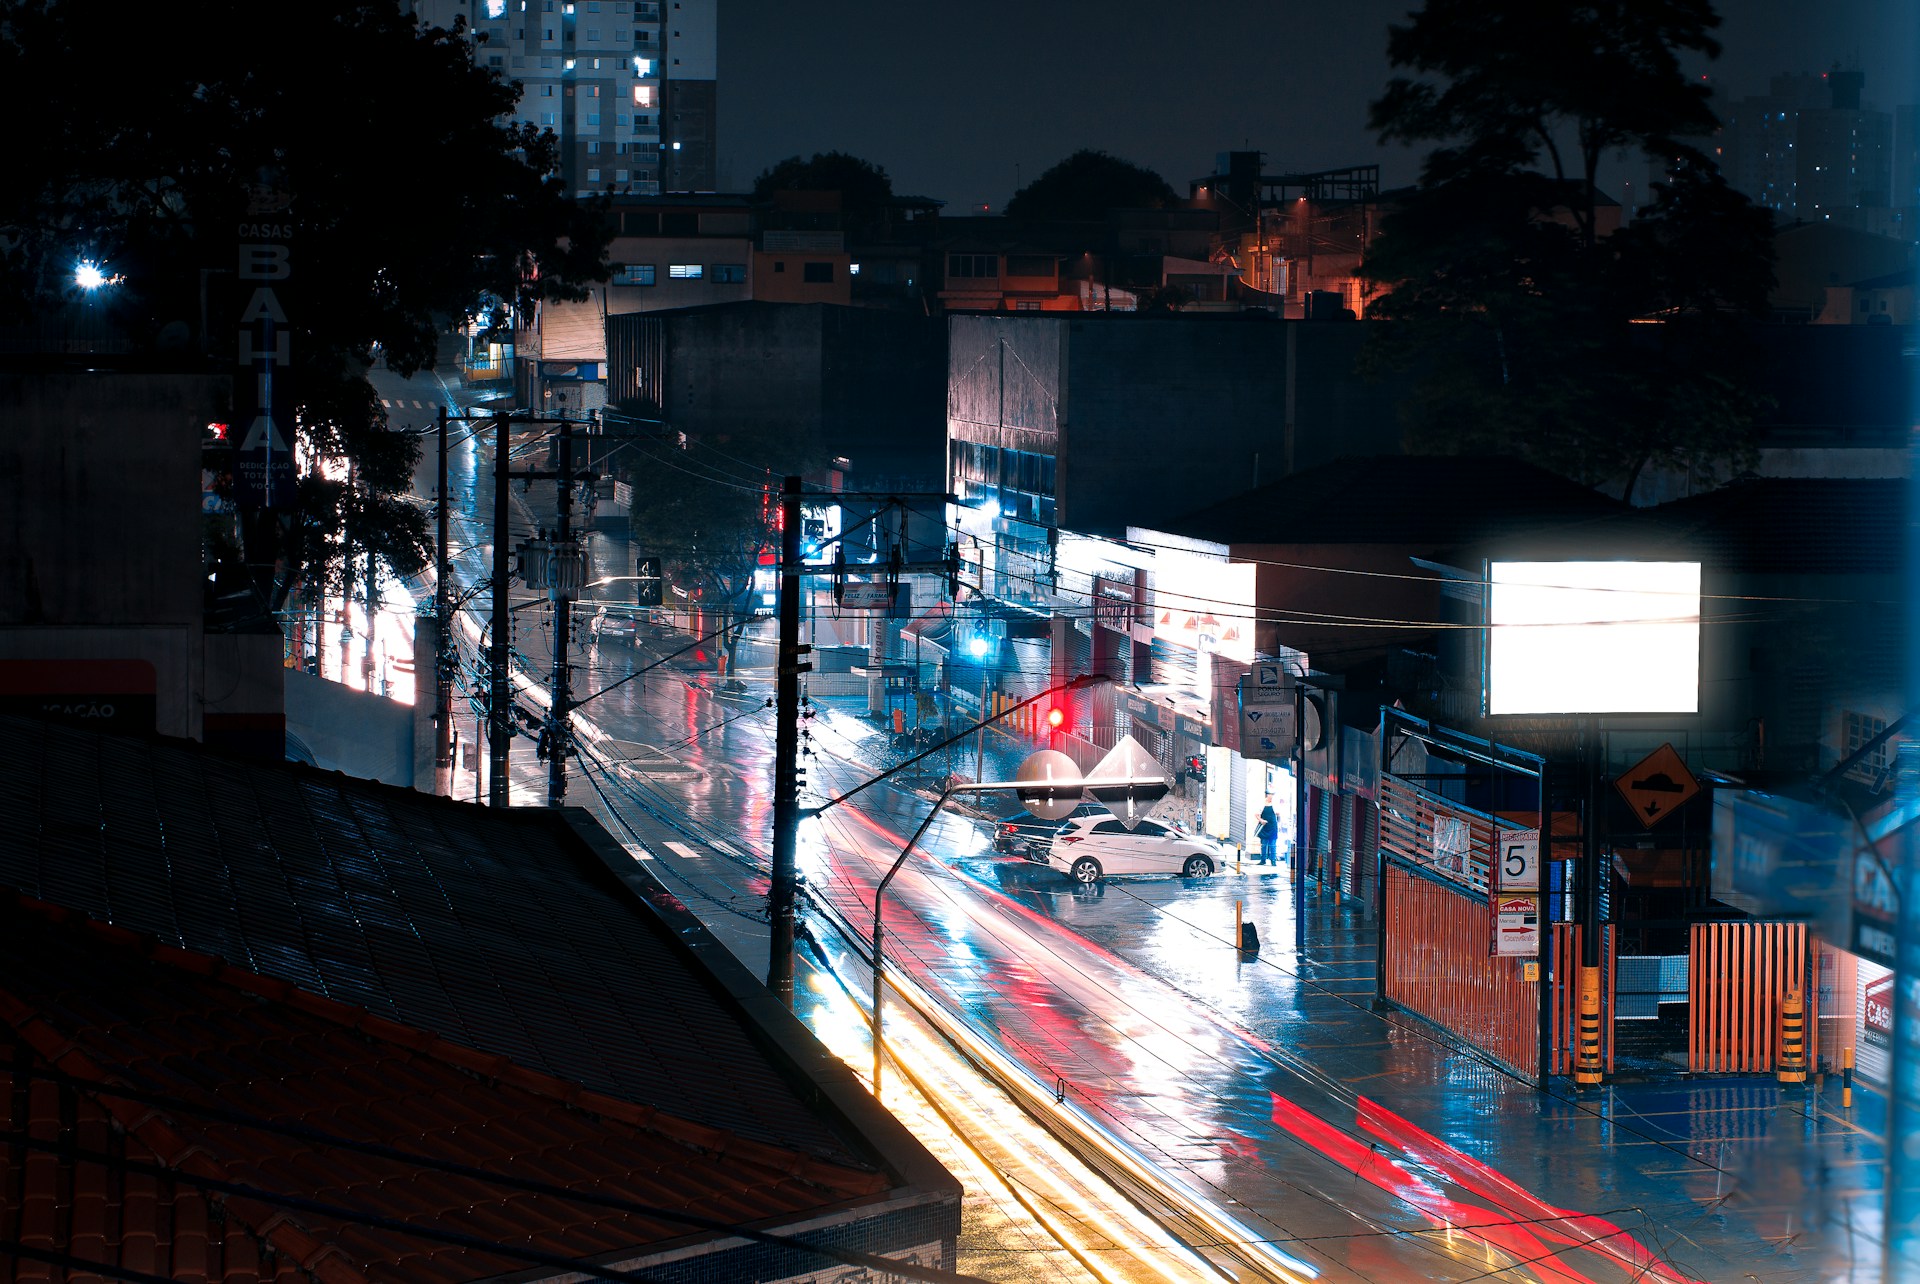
x=612 y=626
x=1025 y=835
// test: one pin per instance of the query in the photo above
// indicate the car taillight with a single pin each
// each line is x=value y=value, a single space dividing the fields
x=1067 y=838
x=1007 y=829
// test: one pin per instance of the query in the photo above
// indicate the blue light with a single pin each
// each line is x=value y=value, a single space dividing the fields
x=977 y=647
x=88 y=276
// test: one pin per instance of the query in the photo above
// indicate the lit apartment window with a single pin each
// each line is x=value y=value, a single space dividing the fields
x=643 y=95
x=730 y=273
x=546 y=118
x=643 y=66
x=637 y=274
x=685 y=271
x=593 y=176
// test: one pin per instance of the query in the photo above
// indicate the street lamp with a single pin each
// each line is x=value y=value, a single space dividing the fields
x=1044 y=788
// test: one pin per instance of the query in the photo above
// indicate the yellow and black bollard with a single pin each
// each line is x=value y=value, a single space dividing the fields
x=1793 y=1039
x=1586 y=1062
x=1846 y=1077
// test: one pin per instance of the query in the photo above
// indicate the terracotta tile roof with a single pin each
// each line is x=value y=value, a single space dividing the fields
x=85 y=1004
x=506 y=934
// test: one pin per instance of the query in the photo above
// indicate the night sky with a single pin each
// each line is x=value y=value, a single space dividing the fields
x=962 y=102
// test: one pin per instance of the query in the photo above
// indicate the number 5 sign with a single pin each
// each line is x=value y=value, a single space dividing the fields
x=1519 y=862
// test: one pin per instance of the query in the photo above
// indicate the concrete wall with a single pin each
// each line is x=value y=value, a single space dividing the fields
x=360 y=734
x=836 y=380
x=1154 y=417
x=100 y=528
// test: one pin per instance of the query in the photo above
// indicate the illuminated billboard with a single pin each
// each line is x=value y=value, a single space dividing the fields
x=1593 y=637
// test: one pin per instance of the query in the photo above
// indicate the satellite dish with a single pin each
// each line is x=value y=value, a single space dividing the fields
x=1055 y=784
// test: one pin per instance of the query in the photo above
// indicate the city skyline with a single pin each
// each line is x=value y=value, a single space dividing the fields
x=966 y=116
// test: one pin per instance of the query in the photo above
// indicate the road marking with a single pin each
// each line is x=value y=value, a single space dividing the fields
x=642 y=854
x=681 y=849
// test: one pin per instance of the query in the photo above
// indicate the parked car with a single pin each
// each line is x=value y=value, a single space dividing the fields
x=613 y=626
x=1088 y=848
x=1025 y=835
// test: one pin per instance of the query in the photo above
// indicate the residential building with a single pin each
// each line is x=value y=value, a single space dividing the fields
x=629 y=86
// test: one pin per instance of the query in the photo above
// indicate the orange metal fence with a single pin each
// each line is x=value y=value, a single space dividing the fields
x=1440 y=965
x=1736 y=976
x=1422 y=827
x=1564 y=960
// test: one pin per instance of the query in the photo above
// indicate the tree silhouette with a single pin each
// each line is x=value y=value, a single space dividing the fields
x=864 y=188
x=1084 y=186
x=413 y=202
x=1539 y=333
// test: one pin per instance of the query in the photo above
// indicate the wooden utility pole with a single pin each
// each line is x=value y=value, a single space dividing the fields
x=789 y=665
x=499 y=689
x=443 y=666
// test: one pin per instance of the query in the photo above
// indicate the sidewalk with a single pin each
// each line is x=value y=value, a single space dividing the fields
x=1731 y=1178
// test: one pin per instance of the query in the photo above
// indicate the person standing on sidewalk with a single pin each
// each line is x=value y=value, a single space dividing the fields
x=1268 y=832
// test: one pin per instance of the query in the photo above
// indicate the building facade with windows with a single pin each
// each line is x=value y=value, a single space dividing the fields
x=628 y=86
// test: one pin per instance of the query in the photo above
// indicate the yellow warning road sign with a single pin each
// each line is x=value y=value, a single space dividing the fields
x=1657 y=786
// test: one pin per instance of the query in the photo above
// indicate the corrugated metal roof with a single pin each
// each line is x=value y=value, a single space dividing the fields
x=501 y=932
x=244 y=1080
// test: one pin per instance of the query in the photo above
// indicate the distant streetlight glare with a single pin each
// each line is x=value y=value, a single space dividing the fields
x=88 y=276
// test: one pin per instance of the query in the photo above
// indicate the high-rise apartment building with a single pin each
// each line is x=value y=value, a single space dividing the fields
x=1809 y=149
x=629 y=86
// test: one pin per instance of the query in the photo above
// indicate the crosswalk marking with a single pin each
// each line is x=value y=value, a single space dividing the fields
x=640 y=853
x=681 y=849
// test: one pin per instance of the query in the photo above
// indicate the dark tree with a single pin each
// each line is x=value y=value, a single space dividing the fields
x=1084 y=186
x=413 y=203
x=864 y=188
x=1539 y=331
x=705 y=503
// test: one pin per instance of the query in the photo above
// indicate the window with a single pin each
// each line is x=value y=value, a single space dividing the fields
x=1026 y=305
x=779 y=265
x=853 y=269
x=593 y=176
x=546 y=91
x=643 y=95
x=593 y=149
x=637 y=274
x=546 y=118
x=593 y=120
x=593 y=33
x=1110 y=827
x=972 y=265
x=730 y=273
x=619 y=175
x=686 y=271
x=1859 y=729
x=817 y=273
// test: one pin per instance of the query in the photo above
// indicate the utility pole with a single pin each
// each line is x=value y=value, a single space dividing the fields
x=499 y=690
x=791 y=663
x=786 y=749
x=443 y=636
x=564 y=582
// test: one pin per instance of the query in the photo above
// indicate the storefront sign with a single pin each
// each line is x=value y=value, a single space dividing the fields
x=1267 y=729
x=1516 y=926
x=262 y=393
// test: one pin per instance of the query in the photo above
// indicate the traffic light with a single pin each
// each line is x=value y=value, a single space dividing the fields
x=647 y=582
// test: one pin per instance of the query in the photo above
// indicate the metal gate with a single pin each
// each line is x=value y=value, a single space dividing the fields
x=1564 y=965
x=1439 y=965
x=1737 y=976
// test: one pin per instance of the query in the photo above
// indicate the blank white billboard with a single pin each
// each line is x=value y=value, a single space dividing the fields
x=1593 y=637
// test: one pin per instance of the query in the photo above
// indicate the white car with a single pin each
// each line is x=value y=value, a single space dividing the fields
x=1088 y=848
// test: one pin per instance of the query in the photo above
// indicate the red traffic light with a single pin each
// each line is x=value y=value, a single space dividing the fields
x=1056 y=716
